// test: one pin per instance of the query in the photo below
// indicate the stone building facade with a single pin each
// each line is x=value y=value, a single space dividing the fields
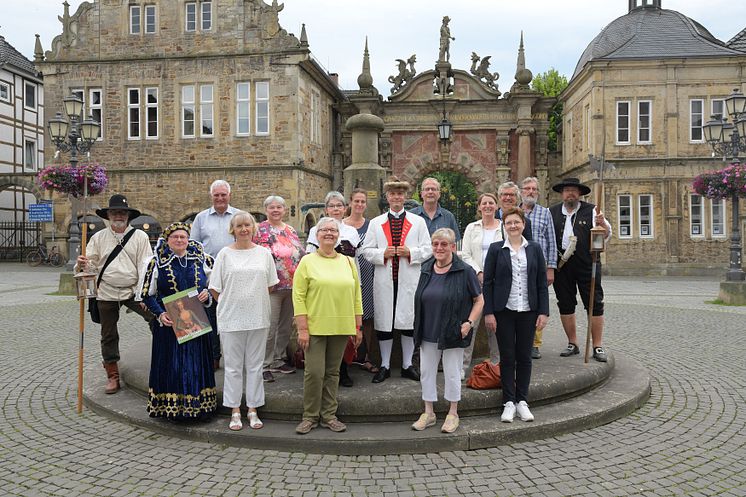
x=191 y=91
x=638 y=98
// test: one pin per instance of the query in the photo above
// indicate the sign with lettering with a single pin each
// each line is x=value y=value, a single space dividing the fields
x=40 y=213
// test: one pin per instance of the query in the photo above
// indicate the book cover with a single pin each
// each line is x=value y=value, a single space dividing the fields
x=188 y=315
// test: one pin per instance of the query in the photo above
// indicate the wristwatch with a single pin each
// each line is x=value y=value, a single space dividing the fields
x=471 y=323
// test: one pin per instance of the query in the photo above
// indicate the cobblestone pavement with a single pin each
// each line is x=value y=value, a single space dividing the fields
x=689 y=439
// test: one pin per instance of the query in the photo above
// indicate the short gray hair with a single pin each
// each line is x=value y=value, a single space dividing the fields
x=429 y=178
x=506 y=186
x=446 y=234
x=530 y=179
x=334 y=195
x=326 y=220
x=274 y=198
x=219 y=182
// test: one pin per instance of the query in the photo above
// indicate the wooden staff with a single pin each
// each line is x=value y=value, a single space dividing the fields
x=81 y=301
x=594 y=265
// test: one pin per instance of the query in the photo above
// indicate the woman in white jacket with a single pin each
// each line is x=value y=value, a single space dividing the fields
x=477 y=239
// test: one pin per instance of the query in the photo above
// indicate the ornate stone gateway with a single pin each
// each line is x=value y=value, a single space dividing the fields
x=496 y=136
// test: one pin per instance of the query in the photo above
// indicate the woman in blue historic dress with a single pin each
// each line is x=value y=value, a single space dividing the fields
x=182 y=380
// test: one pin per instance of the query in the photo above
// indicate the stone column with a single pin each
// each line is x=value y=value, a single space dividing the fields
x=365 y=172
x=524 y=152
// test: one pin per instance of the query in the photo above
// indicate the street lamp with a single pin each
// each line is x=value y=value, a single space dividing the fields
x=77 y=137
x=728 y=140
x=444 y=126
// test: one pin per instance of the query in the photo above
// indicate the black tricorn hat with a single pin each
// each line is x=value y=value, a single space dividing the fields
x=118 y=202
x=584 y=190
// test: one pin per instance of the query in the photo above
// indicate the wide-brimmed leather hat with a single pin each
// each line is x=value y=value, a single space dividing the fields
x=118 y=202
x=584 y=190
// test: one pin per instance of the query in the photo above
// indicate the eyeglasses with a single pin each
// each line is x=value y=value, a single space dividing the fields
x=530 y=188
x=441 y=244
x=512 y=223
x=328 y=230
x=335 y=206
x=507 y=195
x=178 y=237
x=431 y=189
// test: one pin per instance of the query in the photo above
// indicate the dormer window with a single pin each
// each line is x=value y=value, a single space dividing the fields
x=637 y=4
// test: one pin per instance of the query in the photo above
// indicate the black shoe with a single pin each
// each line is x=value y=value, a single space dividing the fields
x=381 y=375
x=535 y=354
x=345 y=380
x=571 y=349
x=410 y=373
x=599 y=354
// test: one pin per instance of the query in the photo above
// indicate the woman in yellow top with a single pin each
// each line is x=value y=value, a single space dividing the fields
x=328 y=309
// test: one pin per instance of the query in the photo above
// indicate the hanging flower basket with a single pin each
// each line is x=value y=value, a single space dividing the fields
x=723 y=183
x=69 y=180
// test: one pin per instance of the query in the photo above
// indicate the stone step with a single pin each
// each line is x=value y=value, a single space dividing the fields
x=626 y=388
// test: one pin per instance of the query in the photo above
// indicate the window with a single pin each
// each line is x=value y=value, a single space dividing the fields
x=150 y=19
x=206 y=11
x=243 y=104
x=133 y=113
x=30 y=96
x=622 y=123
x=187 y=111
x=645 y=216
x=625 y=216
x=696 y=108
x=4 y=92
x=95 y=108
x=315 y=118
x=695 y=216
x=717 y=209
x=29 y=154
x=205 y=110
x=191 y=17
x=644 y=108
x=262 y=108
x=718 y=108
x=135 y=21
x=151 y=113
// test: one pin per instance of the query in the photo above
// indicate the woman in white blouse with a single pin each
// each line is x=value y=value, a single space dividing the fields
x=477 y=239
x=243 y=276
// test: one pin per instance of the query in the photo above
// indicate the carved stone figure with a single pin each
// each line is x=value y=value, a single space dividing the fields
x=271 y=18
x=405 y=75
x=482 y=72
x=444 y=54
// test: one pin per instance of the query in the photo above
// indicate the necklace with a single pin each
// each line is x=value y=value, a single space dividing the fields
x=444 y=265
x=179 y=259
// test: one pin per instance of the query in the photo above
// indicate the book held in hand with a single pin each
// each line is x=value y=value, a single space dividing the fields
x=187 y=314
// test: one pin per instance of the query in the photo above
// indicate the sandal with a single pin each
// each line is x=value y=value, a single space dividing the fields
x=254 y=422
x=235 y=423
x=370 y=367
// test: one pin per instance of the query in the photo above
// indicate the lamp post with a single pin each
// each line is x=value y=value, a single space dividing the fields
x=728 y=140
x=76 y=136
x=444 y=126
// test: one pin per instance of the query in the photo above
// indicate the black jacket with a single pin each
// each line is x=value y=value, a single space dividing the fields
x=498 y=279
x=454 y=312
x=582 y=224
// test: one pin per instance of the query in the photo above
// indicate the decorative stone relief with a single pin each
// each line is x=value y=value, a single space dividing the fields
x=69 y=35
x=405 y=75
x=482 y=72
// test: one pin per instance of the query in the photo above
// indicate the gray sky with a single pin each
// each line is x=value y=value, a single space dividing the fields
x=555 y=32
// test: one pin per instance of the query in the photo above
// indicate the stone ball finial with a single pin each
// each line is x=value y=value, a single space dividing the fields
x=524 y=76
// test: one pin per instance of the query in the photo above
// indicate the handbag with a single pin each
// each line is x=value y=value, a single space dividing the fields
x=92 y=302
x=484 y=376
x=299 y=358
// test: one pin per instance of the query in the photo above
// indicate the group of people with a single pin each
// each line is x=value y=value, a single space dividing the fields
x=356 y=285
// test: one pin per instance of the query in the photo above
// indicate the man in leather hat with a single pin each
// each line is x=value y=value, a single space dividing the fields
x=573 y=220
x=119 y=280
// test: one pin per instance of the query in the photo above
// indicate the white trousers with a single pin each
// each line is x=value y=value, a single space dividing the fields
x=429 y=358
x=243 y=351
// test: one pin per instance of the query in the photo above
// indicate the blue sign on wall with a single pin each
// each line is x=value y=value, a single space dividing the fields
x=40 y=213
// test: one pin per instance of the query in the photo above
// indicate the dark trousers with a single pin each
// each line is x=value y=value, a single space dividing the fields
x=575 y=278
x=515 y=337
x=109 y=311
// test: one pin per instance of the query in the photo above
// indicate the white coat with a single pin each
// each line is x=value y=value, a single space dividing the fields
x=418 y=241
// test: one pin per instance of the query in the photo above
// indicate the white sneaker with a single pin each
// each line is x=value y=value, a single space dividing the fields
x=463 y=375
x=523 y=411
x=508 y=412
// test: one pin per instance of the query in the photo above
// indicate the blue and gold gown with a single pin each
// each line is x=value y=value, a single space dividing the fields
x=182 y=380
